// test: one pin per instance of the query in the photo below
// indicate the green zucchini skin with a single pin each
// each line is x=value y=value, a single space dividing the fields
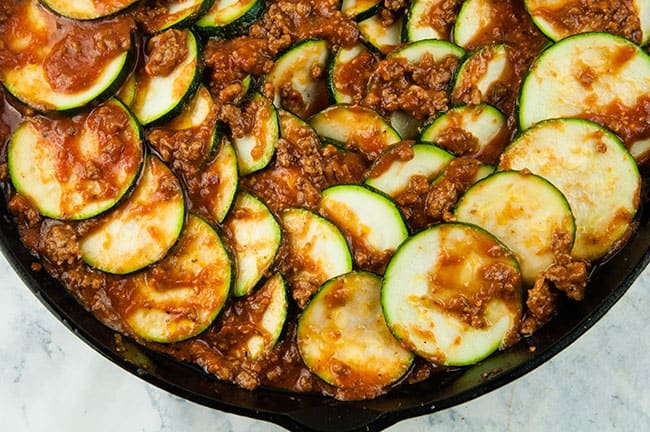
x=59 y=7
x=209 y=27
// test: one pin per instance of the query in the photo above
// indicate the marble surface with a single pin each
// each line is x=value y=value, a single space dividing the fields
x=51 y=381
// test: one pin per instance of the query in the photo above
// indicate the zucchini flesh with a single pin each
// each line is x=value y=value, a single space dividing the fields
x=437 y=49
x=474 y=16
x=160 y=97
x=393 y=170
x=87 y=9
x=592 y=169
x=348 y=73
x=439 y=268
x=141 y=230
x=76 y=176
x=384 y=39
x=180 y=296
x=343 y=338
x=356 y=128
x=643 y=10
x=407 y=126
x=478 y=131
x=272 y=319
x=604 y=78
x=126 y=93
x=255 y=237
x=172 y=14
x=26 y=76
x=214 y=188
x=293 y=73
x=522 y=210
x=255 y=149
x=480 y=73
x=424 y=23
x=359 y=9
x=227 y=18
x=371 y=221
x=319 y=248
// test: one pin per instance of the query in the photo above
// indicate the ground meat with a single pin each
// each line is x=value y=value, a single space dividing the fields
x=166 y=51
x=442 y=15
x=419 y=90
x=541 y=306
x=59 y=243
x=183 y=150
x=26 y=214
x=457 y=177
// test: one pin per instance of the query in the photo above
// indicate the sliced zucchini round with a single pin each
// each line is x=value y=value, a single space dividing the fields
x=438 y=49
x=348 y=74
x=81 y=175
x=213 y=189
x=392 y=171
x=317 y=251
x=255 y=237
x=161 y=97
x=342 y=336
x=593 y=170
x=168 y=14
x=295 y=87
x=87 y=9
x=255 y=149
x=48 y=79
x=384 y=39
x=522 y=210
x=360 y=9
x=273 y=295
x=426 y=19
x=142 y=229
x=180 y=296
x=453 y=294
x=227 y=18
x=603 y=78
x=126 y=92
x=481 y=73
x=474 y=16
x=407 y=126
x=643 y=10
x=355 y=128
x=478 y=131
x=371 y=221
x=560 y=19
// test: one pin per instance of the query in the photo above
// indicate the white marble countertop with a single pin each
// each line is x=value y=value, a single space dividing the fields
x=51 y=381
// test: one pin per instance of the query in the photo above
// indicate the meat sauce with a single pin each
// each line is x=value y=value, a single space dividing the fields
x=302 y=168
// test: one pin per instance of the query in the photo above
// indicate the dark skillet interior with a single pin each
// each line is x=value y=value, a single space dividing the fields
x=316 y=413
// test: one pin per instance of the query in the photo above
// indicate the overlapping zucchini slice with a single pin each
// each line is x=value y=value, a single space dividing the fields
x=70 y=69
x=173 y=14
x=180 y=296
x=383 y=39
x=453 y=294
x=87 y=9
x=227 y=18
x=78 y=175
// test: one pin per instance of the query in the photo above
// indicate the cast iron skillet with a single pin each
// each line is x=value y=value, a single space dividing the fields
x=315 y=413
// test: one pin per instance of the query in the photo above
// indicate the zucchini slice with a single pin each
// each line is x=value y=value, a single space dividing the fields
x=438 y=49
x=428 y=19
x=453 y=294
x=87 y=9
x=126 y=93
x=593 y=170
x=53 y=77
x=483 y=76
x=560 y=19
x=474 y=16
x=180 y=296
x=360 y=9
x=348 y=74
x=317 y=252
x=227 y=18
x=213 y=189
x=270 y=321
x=522 y=210
x=604 y=78
x=643 y=10
x=255 y=149
x=384 y=39
x=295 y=86
x=161 y=93
x=371 y=221
x=355 y=128
x=255 y=237
x=478 y=131
x=162 y=15
x=141 y=230
x=190 y=138
x=80 y=175
x=392 y=171
x=343 y=338
x=407 y=126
